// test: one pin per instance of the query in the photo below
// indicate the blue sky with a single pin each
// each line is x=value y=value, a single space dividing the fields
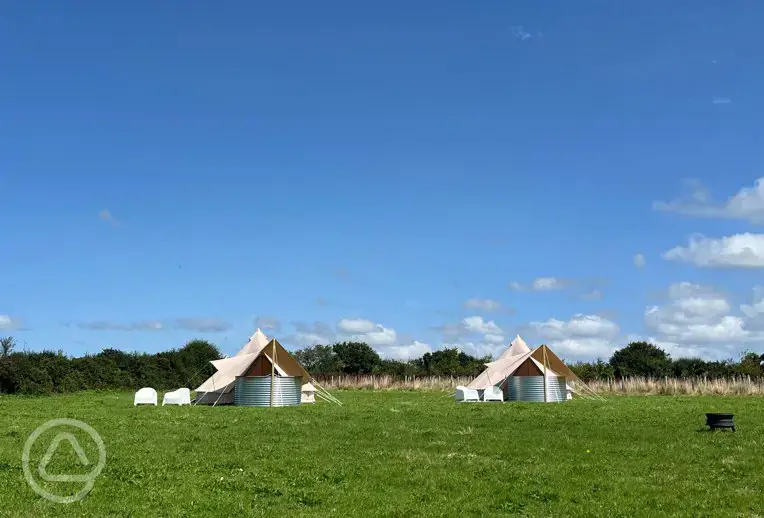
x=412 y=175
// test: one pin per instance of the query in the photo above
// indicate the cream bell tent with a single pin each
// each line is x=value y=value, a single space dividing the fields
x=218 y=389
x=516 y=346
x=266 y=372
x=530 y=375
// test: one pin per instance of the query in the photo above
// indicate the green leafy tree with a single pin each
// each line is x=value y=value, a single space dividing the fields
x=357 y=357
x=7 y=344
x=641 y=359
x=319 y=359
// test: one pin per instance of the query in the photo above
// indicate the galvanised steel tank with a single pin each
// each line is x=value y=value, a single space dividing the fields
x=256 y=391
x=531 y=388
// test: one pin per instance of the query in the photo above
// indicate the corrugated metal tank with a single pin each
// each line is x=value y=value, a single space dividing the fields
x=256 y=391
x=531 y=388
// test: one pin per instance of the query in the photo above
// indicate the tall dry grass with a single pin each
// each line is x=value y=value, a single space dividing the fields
x=738 y=386
x=388 y=382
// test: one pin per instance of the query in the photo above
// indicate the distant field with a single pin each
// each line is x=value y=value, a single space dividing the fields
x=396 y=453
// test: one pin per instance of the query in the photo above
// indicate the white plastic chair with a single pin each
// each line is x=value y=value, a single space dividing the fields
x=145 y=396
x=493 y=394
x=182 y=396
x=466 y=394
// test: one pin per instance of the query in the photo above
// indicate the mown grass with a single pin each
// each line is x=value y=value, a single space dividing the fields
x=398 y=453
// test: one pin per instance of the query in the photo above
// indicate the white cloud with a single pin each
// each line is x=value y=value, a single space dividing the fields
x=268 y=323
x=583 y=336
x=412 y=351
x=203 y=325
x=747 y=204
x=547 y=284
x=362 y=330
x=476 y=349
x=483 y=304
x=592 y=295
x=105 y=325
x=722 y=100
x=736 y=251
x=8 y=323
x=639 y=261
x=478 y=325
x=475 y=335
x=698 y=321
x=382 y=336
x=494 y=339
x=541 y=284
x=355 y=326
x=520 y=33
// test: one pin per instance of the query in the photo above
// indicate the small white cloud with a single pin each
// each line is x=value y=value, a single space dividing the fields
x=515 y=286
x=477 y=349
x=547 y=284
x=202 y=325
x=639 y=261
x=483 y=304
x=355 y=326
x=592 y=295
x=746 y=205
x=105 y=325
x=478 y=325
x=493 y=338
x=722 y=100
x=736 y=251
x=268 y=323
x=8 y=323
x=362 y=330
x=415 y=349
x=520 y=33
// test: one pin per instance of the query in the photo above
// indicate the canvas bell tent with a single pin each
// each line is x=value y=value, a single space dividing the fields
x=264 y=373
x=219 y=387
x=530 y=375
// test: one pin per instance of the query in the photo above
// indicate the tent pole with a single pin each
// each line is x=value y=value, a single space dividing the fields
x=273 y=368
x=544 y=351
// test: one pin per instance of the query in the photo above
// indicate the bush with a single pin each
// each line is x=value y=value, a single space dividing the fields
x=48 y=372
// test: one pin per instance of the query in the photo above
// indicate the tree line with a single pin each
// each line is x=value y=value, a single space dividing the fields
x=51 y=372
x=637 y=359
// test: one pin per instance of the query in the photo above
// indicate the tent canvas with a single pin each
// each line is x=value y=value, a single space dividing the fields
x=516 y=347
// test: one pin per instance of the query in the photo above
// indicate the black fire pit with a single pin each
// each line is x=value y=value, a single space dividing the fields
x=720 y=421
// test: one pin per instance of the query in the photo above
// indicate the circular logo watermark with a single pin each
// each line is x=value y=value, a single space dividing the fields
x=88 y=479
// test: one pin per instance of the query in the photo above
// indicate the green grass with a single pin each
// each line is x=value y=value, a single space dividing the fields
x=396 y=454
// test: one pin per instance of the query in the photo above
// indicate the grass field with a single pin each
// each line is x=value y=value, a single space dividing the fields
x=397 y=453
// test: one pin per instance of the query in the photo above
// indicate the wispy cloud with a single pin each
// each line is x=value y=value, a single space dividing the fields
x=521 y=33
x=268 y=323
x=542 y=284
x=201 y=325
x=106 y=216
x=722 y=100
x=9 y=323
